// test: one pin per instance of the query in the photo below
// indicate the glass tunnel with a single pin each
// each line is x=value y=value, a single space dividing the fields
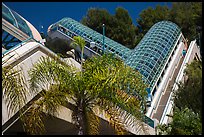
x=72 y=27
x=15 y=19
x=152 y=52
x=8 y=40
x=16 y=30
x=148 y=57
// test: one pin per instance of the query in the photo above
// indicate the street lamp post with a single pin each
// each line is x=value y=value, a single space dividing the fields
x=199 y=30
x=199 y=39
x=103 y=38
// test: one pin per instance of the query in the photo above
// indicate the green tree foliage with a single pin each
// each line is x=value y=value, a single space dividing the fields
x=106 y=83
x=95 y=18
x=59 y=46
x=187 y=116
x=188 y=15
x=197 y=10
x=80 y=42
x=118 y=27
x=125 y=29
x=185 y=122
x=189 y=94
x=148 y=17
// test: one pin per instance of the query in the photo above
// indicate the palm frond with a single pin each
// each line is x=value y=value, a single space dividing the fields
x=121 y=89
x=49 y=71
x=78 y=41
x=14 y=89
x=33 y=119
x=52 y=99
x=113 y=117
x=48 y=103
x=93 y=123
x=123 y=118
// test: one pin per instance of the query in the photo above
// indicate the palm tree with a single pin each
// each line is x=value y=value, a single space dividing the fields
x=14 y=89
x=79 y=41
x=106 y=85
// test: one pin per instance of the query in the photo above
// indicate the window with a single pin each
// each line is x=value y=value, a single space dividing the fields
x=151 y=66
x=158 y=82
x=154 y=91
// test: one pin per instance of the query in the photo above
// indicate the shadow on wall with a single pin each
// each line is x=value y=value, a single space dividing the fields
x=56 y=126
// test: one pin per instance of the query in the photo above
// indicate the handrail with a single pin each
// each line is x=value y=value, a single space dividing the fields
x=181 y=71
x=153 y=108
x=166 y=108
x=170 y=78
x=178 y=76
x=77 y=35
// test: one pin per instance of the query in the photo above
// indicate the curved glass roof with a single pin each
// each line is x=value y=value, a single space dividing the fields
x=151 y=53
x=148 y=57
x=93 y=36
x=15 y=19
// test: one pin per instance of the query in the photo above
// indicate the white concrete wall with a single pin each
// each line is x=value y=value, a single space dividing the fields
x=27 y=55
x=134 y=128
x=25 y=51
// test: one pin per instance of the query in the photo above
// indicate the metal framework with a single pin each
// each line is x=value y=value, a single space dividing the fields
x=8 y=41
x=15 y=30
x=152 y=52
x=15 y=19
x=71 y=27
x=148 y=57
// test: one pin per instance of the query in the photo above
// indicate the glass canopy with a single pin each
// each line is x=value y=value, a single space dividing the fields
x=152 y=52
x=15 y=19
x=93 y=36
x=148 y=57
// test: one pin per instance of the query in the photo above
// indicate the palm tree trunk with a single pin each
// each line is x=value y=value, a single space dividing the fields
x=82 y=52
x=81 y=119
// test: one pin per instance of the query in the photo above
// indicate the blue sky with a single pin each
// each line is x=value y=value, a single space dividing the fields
x=47 y=13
